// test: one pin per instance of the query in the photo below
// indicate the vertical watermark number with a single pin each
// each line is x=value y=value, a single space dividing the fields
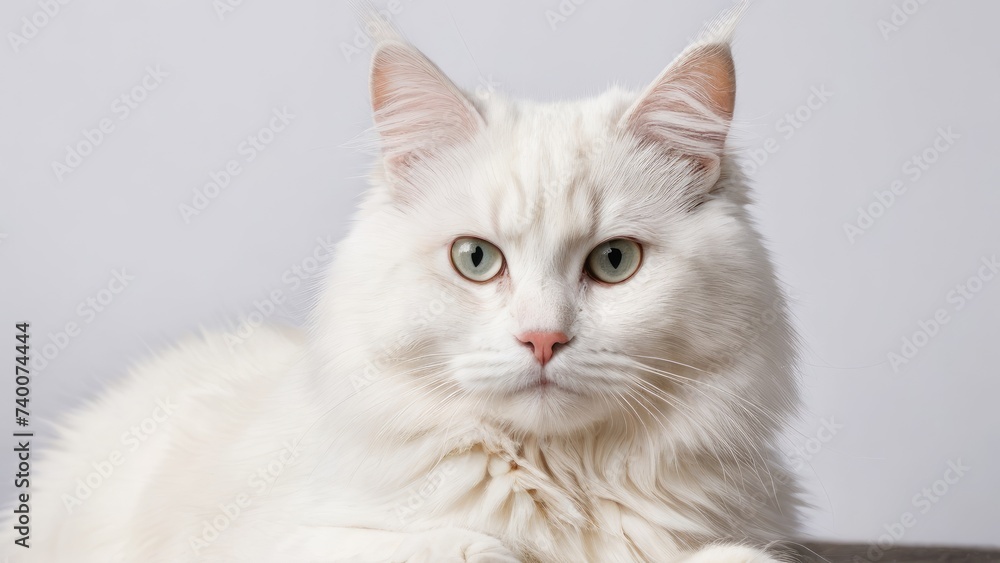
x=22 y=435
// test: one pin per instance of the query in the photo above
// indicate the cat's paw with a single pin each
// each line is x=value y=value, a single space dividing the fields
x=453 y=545
x=730 y=554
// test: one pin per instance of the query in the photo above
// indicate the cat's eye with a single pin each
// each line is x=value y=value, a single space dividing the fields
x=614 y=261
x=476 y=259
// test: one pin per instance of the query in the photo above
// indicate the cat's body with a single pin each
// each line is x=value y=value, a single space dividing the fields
x=429 y=415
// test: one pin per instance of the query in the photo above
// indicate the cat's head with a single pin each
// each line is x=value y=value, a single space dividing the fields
x=551 y=265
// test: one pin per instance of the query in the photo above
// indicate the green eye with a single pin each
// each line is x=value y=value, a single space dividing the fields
x=476 y=259
x=614 y=261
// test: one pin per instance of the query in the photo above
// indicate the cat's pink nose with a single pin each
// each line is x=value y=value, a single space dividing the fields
x=543 y=344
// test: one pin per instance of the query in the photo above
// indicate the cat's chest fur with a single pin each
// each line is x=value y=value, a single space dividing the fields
x=554 y=500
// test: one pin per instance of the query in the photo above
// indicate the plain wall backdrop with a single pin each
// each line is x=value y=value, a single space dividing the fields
x=887 y=106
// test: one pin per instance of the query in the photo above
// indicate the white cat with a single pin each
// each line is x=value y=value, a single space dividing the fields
x=552 y=334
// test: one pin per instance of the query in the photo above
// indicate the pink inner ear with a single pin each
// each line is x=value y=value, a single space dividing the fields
x=690 y=105
x=416 y=108
x=711 y=70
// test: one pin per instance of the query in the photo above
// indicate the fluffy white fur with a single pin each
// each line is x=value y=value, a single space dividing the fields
x=403 y=426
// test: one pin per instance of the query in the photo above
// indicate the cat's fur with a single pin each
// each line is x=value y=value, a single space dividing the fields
x=394 y=430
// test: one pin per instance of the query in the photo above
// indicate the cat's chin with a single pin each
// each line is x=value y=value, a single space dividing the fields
x=550 y=410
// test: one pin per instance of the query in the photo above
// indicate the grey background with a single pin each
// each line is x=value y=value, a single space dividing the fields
x=895 y=432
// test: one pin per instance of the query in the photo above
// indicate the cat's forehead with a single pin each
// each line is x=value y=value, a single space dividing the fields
x=544 y=154
x=559 y=132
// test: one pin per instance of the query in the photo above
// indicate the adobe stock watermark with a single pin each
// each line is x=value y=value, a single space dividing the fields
x=388 y=355
x=310 y=267
x=957 y=298
x=913 y=170
x=752 y=330
x=562 y=12
x=131 y=439
x=122 y=107
x=263 y=309
x=799 y=456
x=87 y=310
x=363 y=38
x=32 y=25
x=787 y=127
x=898 y=17
x=247 y=151
x=418 y=495
x=922 y=503
x=258 y=484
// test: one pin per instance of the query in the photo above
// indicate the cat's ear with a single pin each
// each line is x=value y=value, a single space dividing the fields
x=689 y=107
x=417 y=109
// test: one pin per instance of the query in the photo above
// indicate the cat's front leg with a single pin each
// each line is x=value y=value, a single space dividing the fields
x=365 y=545
x=729 y=554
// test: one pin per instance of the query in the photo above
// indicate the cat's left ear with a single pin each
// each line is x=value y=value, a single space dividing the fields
x=689 y=107
x=417 y=109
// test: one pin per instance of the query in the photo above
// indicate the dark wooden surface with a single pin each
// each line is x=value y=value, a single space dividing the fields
x=810 y=552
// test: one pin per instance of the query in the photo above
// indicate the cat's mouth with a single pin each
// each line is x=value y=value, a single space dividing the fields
x=543 y=383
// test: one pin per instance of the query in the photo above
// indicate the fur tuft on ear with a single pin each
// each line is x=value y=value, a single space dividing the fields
x=689 y=107
x=417 y=109
x=723 y=28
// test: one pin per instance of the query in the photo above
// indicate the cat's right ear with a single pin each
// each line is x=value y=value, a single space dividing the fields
x=417 y=109
x=689 y=107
